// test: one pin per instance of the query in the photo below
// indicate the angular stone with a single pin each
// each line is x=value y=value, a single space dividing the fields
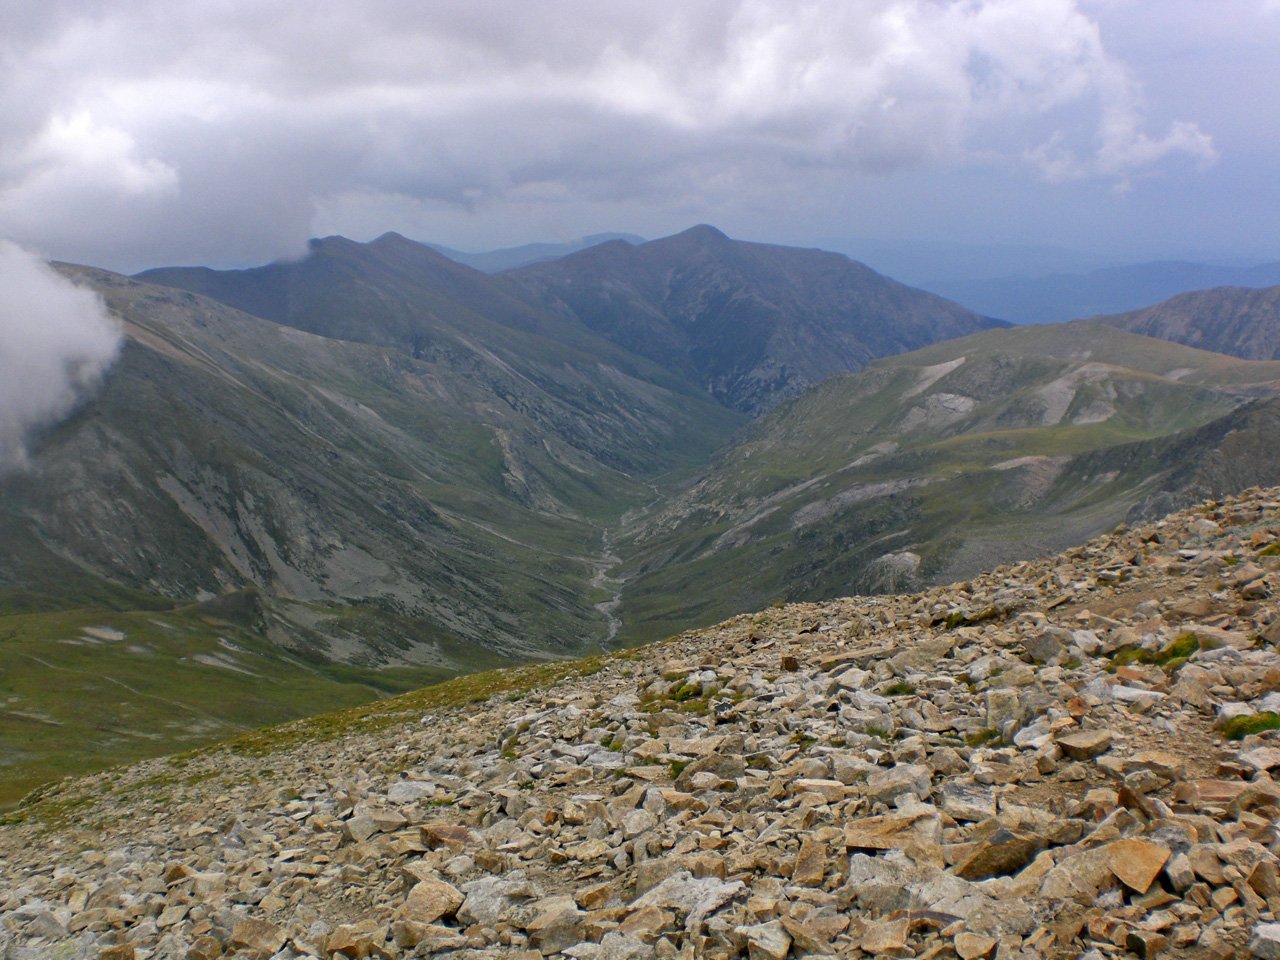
x=1080 y=876
x=409 y=791
x=429 y=900
x=904 y=779
x=811 y=863
x=1044 y=647
x=1136 y=863
x=491 y=899
x=255 y=934
x=1084 y=744
x=357 y=939
x=917 y=832
x=815 y=934
x=1004 y=852
x=972 y=802
x=974 y=946
x=695 y=898
x=359 y=829
x=557 y=924
x=647 y=923
x=885 y=938
x=1265 y=942
x=766 y=941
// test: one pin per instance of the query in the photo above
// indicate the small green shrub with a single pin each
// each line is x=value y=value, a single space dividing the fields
x=899 y=689
x=1237 y=728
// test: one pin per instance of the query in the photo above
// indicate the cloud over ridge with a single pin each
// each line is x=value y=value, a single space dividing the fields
x=56 y=341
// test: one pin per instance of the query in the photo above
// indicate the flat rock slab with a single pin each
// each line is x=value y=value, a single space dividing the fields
x=1136 y=863
x=1084 y=744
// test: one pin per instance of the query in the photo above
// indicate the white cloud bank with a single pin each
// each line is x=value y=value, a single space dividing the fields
x=56 y=341
x=163 y=130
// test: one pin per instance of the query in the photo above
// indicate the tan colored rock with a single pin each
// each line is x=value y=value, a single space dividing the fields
x=918 y=831
x=1136 y=863
x=886 y=938
x=1002 y=853
x=429 y=900
x=974 y=946
x=766 y=941
x=1085 y=744
x=811 y=864
x=255 y=934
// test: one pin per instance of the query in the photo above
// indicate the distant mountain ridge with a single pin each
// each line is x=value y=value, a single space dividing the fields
x=754 y=323
x=1238 y=321
x=495 y=261
x=1060 y=297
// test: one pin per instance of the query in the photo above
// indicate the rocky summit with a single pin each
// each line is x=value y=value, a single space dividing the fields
x=1067 y=757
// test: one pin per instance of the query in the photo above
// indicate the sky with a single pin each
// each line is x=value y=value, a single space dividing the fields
x=138 y=133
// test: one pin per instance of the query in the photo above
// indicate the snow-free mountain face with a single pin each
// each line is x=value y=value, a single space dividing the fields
x=1239 y=321
x=933 y=465
x=315 y=482
x=754 y=324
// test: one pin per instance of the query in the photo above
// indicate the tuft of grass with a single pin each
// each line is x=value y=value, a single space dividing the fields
x=899 y=689
x=1270 y=550
x=1170 y=657
x=875 y=730
x=677 y=767
x=1238 y=728
x=980 y=738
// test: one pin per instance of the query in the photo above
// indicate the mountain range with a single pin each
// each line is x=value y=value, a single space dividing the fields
x=1058 y=297
x=315 y=482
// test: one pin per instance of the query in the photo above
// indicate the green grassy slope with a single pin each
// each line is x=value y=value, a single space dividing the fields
x=933 y=465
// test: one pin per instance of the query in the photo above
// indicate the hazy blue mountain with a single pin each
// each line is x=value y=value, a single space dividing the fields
x=1068 y=296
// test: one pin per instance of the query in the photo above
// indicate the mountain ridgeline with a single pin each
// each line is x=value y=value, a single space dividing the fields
x=1240 y=321
x=318 y=481
x=753 y=324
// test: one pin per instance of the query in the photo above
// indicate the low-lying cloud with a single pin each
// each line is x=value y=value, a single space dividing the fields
x=56 y=341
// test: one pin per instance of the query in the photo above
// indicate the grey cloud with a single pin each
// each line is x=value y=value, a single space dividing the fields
x=182 y=131
x=56 y=341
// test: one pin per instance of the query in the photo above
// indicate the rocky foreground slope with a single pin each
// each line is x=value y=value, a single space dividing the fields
x=1033 y=763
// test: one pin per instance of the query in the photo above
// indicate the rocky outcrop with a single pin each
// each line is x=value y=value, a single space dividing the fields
x=1034 y=763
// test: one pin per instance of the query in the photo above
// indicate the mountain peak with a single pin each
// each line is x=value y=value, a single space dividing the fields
x=702 y=233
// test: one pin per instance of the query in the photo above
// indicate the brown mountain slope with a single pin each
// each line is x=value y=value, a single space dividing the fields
x=1239 y=321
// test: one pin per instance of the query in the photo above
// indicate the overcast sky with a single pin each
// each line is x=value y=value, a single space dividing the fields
x=136 y=133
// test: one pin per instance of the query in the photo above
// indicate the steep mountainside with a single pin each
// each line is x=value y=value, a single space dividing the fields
x=392 y=508
x=753 y=323
x=1065 y=296
x=1238 y=321
x=750 y=324
x=935 y=464
x=1060 y=759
